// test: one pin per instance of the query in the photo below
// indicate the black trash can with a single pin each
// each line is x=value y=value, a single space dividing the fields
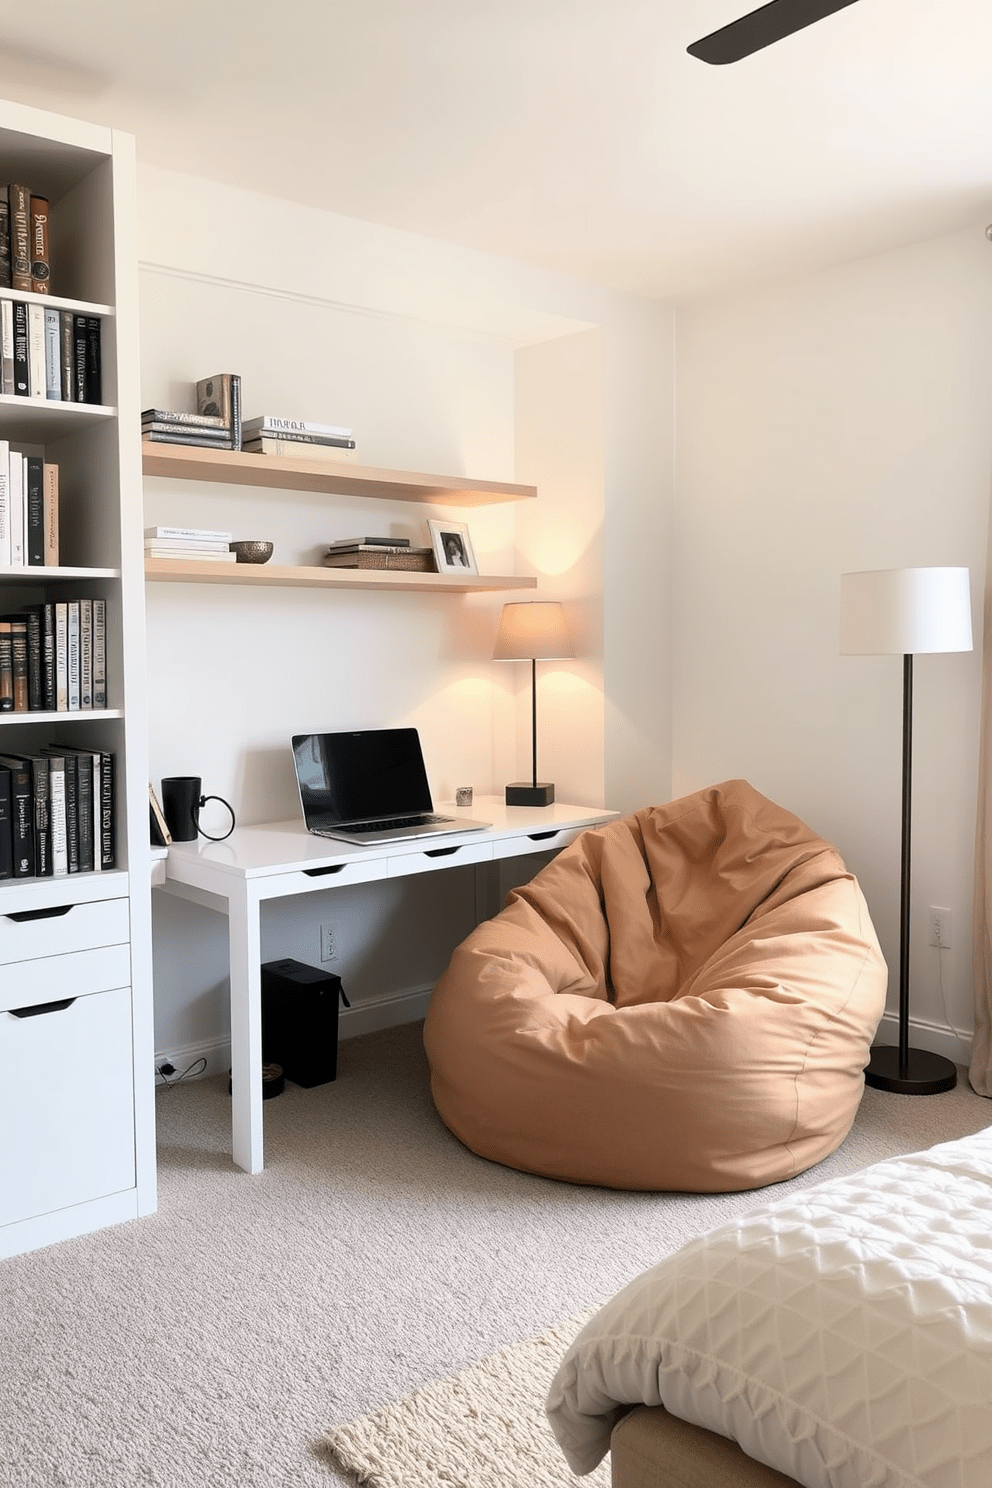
x=300 y=1020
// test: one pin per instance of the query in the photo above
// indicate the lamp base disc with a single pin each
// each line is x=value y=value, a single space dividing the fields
x=541 y=794
x=923 y=1074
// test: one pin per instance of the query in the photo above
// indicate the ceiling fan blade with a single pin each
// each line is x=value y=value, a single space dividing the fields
x=761 y=27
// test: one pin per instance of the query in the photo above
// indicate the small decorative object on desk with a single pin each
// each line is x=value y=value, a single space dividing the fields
x=452 y=547
x=463 y=795
x=252 y=551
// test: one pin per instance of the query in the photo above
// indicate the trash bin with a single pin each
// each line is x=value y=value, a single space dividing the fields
x=300 y=1020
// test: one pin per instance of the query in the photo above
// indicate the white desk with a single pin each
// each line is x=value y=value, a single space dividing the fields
x=281 y=858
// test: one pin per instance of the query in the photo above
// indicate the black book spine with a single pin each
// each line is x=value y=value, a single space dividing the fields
x=6 y=841
x=79 y=357
x=19 y=204
x=42 y=829
x=68 y=344
x=72 y=811
x=94 y=361
x=235 y=411
x=48 y=657
x=22 y=385
x=36 y=687
x=5 y=280
x=6 y=669
x=19 y=660
x=84 y=793
x=21 y=819
x=108 y=823
x=34 y=538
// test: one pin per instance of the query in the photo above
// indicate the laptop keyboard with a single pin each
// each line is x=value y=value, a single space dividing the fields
x=396 y=821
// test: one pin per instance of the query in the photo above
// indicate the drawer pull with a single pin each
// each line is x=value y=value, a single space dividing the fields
x=42 y=1007
x=441 y=852
x=319 y=872
x=541 y=836
x=53 y=912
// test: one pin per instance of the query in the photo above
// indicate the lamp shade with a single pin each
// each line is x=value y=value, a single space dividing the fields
x=905 y=611
x=532 y=630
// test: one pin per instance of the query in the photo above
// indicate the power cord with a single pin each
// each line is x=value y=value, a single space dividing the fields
x=165 y=1071
x=965 y=1038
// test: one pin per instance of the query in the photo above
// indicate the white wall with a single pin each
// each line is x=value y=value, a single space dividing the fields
x=442 y=360
x=837 y=424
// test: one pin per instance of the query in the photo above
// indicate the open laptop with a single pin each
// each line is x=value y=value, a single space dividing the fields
x=368 y=786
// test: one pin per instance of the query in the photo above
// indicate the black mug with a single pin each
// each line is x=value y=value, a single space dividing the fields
x=181 y=806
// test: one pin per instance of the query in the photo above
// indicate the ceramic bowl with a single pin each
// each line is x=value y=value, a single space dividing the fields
x=252 y=552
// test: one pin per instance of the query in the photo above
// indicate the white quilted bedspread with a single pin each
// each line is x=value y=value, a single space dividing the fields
x=842 y=1335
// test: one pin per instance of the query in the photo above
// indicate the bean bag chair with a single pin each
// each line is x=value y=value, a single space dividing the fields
x=683 y=999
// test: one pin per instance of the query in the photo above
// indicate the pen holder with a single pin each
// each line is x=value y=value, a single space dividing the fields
x=181 y=802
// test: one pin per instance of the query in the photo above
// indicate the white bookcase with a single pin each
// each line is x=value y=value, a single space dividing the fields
x=77 y=1141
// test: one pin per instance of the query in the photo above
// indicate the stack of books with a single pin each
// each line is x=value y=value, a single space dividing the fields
x=189 y=542
x=168 y=426
x=29 y=510
x=379 y=552
x=57 y=809
x=24 y=261
x=297 y=438
x=53 y=658
x=49 y=353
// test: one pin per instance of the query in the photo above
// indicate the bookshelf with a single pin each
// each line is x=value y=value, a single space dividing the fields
x=197 y=571
x=76 y=1085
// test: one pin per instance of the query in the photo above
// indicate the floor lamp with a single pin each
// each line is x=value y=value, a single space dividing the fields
x=532 y=631
x=901 y=611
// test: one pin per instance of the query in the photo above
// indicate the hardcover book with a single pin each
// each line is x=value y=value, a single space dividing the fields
x=93 y=378
x=19 y=199
x=72 y=653
x=267 y=423
x=53 y=353
x=37 y=371
x=19 y=661
x=172 y=416
x=48 y=657
x=57 y=816
x=287 y=449
x=61 y=656
x=40 y=266
x=206 y=533
x=34 y=537
x=67 y=344
x=51 y=500
x=4 y=503
x=6 y=845
x=99 y=653
x=4 y=242
x=86 y=654
x=6 y=669
x=15 y=478
x=21 y=373
x=220 y=397
x=7 y=346
x=21 y=814
x=36 y=676
x=79 y=358
x=42 y=834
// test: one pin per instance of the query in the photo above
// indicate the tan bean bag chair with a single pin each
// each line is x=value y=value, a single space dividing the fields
x=684 y=999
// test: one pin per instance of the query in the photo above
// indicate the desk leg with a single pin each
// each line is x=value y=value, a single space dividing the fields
x=244 y=929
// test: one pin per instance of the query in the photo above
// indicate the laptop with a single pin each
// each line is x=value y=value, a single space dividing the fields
x=369 y=786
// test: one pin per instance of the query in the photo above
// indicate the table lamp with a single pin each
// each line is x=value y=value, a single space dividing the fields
x=902 y=611
x=532 y=631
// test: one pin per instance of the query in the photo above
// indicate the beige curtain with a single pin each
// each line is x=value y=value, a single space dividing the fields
x=980 y=1071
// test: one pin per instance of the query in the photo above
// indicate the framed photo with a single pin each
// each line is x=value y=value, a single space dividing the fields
x=452 y=547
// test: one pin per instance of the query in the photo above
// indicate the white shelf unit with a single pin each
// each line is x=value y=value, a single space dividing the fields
x=76 y=1100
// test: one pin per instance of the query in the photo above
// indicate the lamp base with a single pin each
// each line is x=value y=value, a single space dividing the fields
x=520 y=794
x=923 y=1074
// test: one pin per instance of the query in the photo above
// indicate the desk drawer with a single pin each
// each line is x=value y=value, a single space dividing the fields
x=332 y=876
x=550 y=840
x=48 y=978
x=445 y=855
x=56 y=930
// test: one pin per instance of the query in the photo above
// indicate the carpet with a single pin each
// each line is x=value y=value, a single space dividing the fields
x=482 y=1428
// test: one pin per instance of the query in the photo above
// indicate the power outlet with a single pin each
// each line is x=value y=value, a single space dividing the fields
x=328 y=942
x=941 y=927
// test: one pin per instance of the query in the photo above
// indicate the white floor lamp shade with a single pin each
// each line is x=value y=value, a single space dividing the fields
x=532 y=630
x=902 y=611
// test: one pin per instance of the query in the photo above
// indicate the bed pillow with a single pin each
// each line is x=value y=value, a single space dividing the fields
x=842 y=1336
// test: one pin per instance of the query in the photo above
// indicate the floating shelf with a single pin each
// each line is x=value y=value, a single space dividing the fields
x=238 y=468
x=35 y=420
x=199 y=571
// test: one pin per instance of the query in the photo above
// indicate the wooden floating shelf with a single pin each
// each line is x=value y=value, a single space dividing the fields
x=336 y=478
x=200 y=571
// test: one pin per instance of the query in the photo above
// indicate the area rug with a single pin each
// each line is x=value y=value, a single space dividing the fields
x=482 y=1428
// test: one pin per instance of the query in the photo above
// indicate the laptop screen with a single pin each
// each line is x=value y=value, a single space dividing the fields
x=359 y=775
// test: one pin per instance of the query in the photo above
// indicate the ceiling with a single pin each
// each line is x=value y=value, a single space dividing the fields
x=573 y=134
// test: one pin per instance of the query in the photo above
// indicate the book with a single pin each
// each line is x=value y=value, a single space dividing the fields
x=205 y=534
x=297 y=450
x=38 y=765
x=267 y=423
x=72 y=657
x=82 y=803
x=194 y=436
x=154 y=551
x=4 y=503
x=99 y=653
x=159 y=827
x=326 y=441
x=79 y=358
x=19 y=660
x=36 y=679
x=106 y=840
x=21 y=815
x=220 y=396
x=53 y=353
x=34 y=536
x=6 y=669
x=41 y=269
x=6 y=345
x=196 y=544
x=19 y=202
x=48 y=656
x=219 y=436
x=93 y=378
x=20 y=314
x=342 y=543
x=71 y=765
x=171 y=416
x=4 y=243
x=410 y=560
x=67 y=344
x=6 y=844
x=61 y=656
x=86 y=654
x=37 y=372
x=50 y=482
x=15 y=483
x=57 y=816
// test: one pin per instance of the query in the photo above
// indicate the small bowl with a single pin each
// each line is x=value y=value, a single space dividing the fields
x=252 y=552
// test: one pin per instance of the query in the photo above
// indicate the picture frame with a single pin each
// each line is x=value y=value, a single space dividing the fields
x=453 y=552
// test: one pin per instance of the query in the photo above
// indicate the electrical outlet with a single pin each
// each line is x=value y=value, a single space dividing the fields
x=328 y=942
x=941 y=927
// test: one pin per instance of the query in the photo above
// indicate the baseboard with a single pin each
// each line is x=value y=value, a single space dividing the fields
x=933 y=1037
x=367 y=1017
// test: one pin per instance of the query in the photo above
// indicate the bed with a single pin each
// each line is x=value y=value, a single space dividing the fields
x=838 y=1338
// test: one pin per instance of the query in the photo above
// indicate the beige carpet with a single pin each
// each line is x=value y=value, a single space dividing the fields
x=483 y=1428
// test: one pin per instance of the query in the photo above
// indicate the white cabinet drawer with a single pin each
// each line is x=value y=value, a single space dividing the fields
x=66 y=1105
x=448 y=855
x=55 y=930
x=48 y=978
x=539 y=841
